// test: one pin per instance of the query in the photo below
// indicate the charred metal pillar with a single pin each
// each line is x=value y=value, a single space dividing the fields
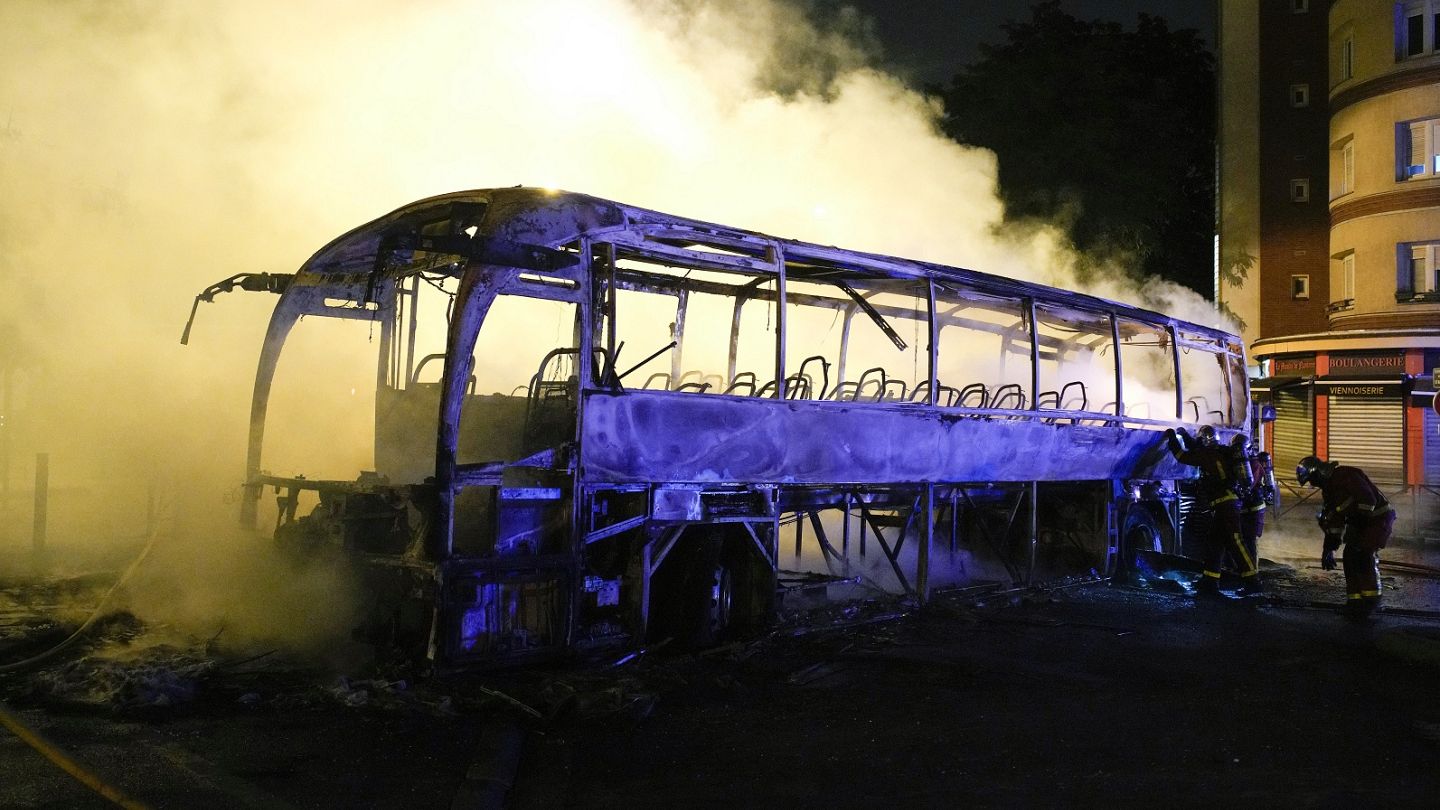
x=862 y=528
x=933 y=333
x=682 y=303
x=1119 y=366
x=927 y=536
x=776 y=256
x=1179 y=381
x=656 y=549
x=844 y=345
x=1034 y=354
x=608 y=255
x=1034 y=530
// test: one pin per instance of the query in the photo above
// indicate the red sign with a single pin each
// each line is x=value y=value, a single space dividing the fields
x=1371 y=363
x=1284 y=366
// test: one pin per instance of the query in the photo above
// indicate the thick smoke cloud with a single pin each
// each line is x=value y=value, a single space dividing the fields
x=148 y=148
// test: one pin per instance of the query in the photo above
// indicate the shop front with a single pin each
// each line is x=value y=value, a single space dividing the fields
x=1290 y=391
x=1366 y=409
x=1366 y=424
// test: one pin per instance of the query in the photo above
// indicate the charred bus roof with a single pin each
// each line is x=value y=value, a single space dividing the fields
x=522 y=226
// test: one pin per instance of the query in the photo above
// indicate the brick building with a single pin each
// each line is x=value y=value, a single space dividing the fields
x=1329 y=211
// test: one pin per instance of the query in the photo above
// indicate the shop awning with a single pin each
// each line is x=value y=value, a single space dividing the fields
x=1265 y=385
x=1360 y=385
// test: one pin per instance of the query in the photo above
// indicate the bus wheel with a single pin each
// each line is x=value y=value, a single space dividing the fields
x=1140 y=533
x=691 y=595
x=709 y=595
x=718 y=589
x=752 y=586
x=720 y=601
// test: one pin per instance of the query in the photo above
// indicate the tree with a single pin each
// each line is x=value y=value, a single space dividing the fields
x=1110 y=131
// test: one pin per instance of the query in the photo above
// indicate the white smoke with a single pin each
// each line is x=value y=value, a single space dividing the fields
x=148 y=148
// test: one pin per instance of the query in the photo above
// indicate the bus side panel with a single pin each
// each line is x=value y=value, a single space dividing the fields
x=652 y=436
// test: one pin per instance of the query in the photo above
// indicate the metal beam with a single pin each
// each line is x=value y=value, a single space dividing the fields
x=927 y=537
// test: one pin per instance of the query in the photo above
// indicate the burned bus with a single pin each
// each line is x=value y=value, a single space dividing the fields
x=600 y=424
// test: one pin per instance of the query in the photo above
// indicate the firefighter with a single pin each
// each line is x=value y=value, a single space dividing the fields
x=1217 y=468
x=1357 y=516
x=1257 y=489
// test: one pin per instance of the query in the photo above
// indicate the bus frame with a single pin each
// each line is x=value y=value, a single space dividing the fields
x=608 y=528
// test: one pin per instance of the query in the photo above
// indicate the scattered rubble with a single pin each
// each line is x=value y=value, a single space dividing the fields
x=158 y=677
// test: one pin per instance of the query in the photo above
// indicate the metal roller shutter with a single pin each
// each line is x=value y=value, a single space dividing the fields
x=1369 y=433
x=1294 y=428
x=1432 y=447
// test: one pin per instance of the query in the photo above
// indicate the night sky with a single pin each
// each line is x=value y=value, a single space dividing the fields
x=928 y=40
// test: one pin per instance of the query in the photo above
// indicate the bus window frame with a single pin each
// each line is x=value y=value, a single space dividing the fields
x=766 y=262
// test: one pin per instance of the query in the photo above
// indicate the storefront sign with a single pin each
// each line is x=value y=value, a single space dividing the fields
x=1364 y=390
x=1301 y=366
x=1367 y=363
x=1355 y=386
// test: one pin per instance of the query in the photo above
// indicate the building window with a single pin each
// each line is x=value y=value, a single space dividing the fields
x=1342 y=169
x=1416 y=22
x=1299 y=95
x=1347 y=168
x=1346 y=61
x=1342 y=284
x=1419 y=272
x=1300 y=287
x=1417 y=147
x=1300 y=190
x=1299 y=6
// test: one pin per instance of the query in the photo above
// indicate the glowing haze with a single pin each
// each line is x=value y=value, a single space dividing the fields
x=148 y=148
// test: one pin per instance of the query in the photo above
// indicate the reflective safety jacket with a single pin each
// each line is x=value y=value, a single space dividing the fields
x=1350 y=500
x=1216 y=465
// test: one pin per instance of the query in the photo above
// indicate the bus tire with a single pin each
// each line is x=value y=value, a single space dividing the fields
x=721 y=589
x=1139 y=532
x=712 y=594
x=752 y=586
x=691 y=595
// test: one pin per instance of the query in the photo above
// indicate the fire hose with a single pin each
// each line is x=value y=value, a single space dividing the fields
x=95 y=615
x=65 y=763
x=44 y=747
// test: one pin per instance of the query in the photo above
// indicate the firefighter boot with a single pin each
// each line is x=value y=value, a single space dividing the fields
x=1360 y=607
x=1252 y=586
x=1208 y=586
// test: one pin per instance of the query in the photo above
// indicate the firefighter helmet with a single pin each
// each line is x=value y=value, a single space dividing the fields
x=1241 y=443
x=1311 y=470
x=1207 y=436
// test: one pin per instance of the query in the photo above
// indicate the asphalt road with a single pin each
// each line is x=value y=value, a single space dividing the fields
x=1085 y=696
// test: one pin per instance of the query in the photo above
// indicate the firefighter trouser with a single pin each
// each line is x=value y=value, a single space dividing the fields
x=1252 y=525
x=1362 y=563
x=1226 y=537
